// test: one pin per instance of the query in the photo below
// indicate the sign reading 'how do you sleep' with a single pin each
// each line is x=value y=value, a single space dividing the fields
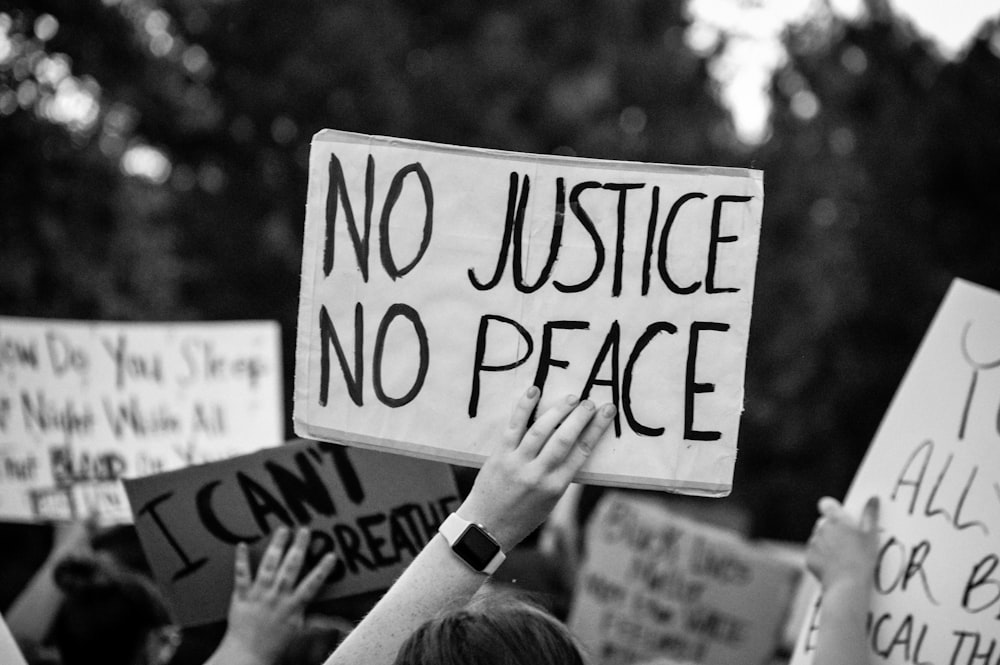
x=84 y=404
x=440 y=282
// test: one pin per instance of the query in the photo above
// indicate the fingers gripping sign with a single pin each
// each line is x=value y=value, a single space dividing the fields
x=567 y=438
x=591 y=435
x=532 y=467
x=842 y=554
x=541 y=431
x=842 y=549
x=519 y=419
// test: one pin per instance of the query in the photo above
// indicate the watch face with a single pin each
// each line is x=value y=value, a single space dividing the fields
x=477 y=548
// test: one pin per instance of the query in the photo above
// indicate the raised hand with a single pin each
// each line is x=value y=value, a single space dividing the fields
x=513 y=493
x=521 y=482
x=842 y=553
x=841 y=548
x=266 y=612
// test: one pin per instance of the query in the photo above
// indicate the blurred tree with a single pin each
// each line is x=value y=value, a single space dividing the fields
x=153 y=163
x=153 y=153
x=879 y=192
x=179 y=193
x=74 y=232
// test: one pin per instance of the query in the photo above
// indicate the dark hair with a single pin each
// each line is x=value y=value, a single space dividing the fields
x=498 y=629
x=314 y=643
x=121 y=543
x=107 y=612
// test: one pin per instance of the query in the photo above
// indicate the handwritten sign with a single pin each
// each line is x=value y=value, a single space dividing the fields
x=373 y=510
x=83 y=404
x=935 y=466
x=439 y=282
x=658 y=585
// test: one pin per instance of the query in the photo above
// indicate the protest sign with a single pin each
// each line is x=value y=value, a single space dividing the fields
x=375 y=511
x=83 y=404
x=935 y=466
x=655 y=584
x=630 y=283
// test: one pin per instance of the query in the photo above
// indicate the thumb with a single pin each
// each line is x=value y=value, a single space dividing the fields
x=870 y=515
x=830 y=507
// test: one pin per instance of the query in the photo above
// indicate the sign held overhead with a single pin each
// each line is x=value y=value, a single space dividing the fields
x=934 y=464
x=439 y=281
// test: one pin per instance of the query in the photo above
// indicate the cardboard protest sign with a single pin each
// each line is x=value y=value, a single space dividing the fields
x=655 y=584
x=373 y=510
x=439 y=282
x=83 y=404
x=935 y=466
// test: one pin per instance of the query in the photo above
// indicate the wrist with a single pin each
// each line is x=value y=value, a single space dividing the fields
x=473 y=544
x=234 y=650
x=506 y=535
x=848 y=581
x=849 y=596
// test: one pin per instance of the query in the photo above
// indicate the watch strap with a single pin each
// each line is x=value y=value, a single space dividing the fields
x=452 y=529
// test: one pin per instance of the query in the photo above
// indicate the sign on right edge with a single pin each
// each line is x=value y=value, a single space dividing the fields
x=935 y=466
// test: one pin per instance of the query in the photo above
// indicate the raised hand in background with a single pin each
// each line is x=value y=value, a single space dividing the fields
x=268 y=610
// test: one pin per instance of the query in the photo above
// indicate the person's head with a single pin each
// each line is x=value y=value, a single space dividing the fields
x=121 y=543
x=110 y=616
x=496 y=629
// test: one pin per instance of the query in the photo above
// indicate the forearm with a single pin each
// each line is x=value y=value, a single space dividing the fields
x=435 y=581
x=33 y=611
x=231 y=652
x=514 y=492
x=842 y=638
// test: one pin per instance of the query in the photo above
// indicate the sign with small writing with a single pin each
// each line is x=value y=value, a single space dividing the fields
x=935 y=466
x=83 y=404
x=439 y=282
x=655 y=584
x=375 y=511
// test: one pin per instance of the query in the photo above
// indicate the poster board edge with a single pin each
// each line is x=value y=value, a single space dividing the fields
x=353 y=138
x=458 y=458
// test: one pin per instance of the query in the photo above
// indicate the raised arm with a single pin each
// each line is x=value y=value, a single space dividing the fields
x=31 y=615
x=842 y=555
x=266 y=612
x=513 y=493
x=559 y=538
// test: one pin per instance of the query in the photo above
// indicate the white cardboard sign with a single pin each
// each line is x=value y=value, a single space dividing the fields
x=656 y=584
x=935 y=466
x=439 y=282
x=83 y=404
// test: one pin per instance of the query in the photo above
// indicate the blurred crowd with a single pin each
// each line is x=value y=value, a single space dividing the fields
x=93 y=601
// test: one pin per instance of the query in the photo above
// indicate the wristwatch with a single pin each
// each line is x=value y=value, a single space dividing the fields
x=472 y=544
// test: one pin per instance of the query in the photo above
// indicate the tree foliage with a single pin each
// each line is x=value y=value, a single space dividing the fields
x=178 y=192
x=878 y=187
